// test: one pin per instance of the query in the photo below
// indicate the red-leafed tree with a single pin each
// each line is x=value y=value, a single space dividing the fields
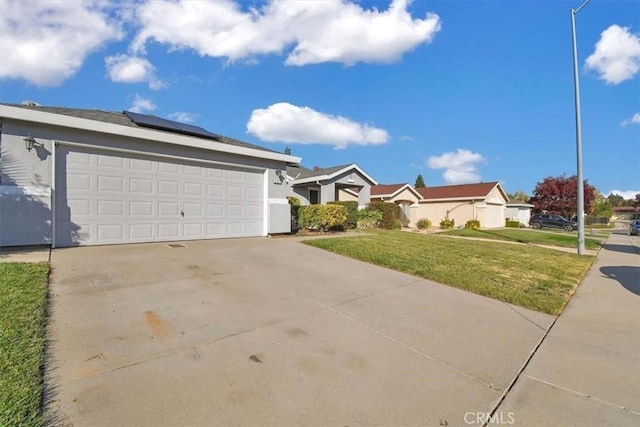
x=558 y=195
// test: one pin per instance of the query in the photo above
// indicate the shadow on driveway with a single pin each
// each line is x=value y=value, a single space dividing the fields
x=627 y=276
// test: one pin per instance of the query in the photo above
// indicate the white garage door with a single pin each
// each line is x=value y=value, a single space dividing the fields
x=494 y=216
x=105 y=197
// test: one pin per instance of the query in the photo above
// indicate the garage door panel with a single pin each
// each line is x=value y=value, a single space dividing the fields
x=108 y=183
x=143 y=232
x=110 y=208
x=79 y=181
x=235 y=192
x=215 y=190
x=141 y=208
x=193 y=189
x=110 y=162
x=141 y=165
x=141 y=186
x=168 y=188
x=110 y=232
x=105 y=198
x=167 y=231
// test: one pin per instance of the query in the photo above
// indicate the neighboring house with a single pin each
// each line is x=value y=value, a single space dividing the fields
x=322 y=185
x=484 y=201
x=517 y=210
x=74 y=177
x=404 y=195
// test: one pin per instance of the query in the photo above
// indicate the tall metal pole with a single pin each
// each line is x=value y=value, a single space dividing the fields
x=576 y=86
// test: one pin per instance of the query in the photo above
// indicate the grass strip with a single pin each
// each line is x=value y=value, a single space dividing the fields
x=23 y=300
x=532 y=277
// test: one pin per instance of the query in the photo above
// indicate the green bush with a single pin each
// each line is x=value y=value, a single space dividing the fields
x=472 y=224
x=397 y=225
x=368 y=218
x=423 y=224
x=293 y=200
x=352 y=213
x=389 y=213
x=514 y=224
x=322 y=217
x=447 y=223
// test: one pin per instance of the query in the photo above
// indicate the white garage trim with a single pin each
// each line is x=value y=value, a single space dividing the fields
x=53 y=194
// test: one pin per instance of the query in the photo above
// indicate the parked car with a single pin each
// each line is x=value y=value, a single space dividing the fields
x=552 y=221
x=634 y=228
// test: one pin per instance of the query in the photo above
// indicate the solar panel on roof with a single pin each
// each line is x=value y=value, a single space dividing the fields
x=154 y=122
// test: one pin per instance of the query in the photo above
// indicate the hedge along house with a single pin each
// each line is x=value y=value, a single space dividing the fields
x=74 y=177
x=484 y=201
x=403 y=195
x=322 y=185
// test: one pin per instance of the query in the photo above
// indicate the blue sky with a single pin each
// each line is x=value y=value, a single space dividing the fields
x=458 y=91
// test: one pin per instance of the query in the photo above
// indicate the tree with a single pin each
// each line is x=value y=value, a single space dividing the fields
x=601 y=206
x=419 y=182
x=615 y=200
x=287 y=150
x=558 y=195
x=519 y=195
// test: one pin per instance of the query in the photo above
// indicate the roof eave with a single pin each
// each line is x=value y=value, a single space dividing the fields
x=53 y=119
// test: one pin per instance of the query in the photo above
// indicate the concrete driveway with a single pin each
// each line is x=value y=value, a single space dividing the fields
x=270 y=331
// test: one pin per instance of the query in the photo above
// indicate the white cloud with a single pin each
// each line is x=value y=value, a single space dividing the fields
x=634 y=120
x=628 y=194
x=459 y=167
x=311 y=31
x=617 y=55
x=141 y=104
x=406 y=138
x=132 y=69
x=283 y=122
x=46 y=42
x=183 y=117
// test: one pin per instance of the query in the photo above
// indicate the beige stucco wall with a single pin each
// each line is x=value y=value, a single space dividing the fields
x=344 y=196
x=459 y=211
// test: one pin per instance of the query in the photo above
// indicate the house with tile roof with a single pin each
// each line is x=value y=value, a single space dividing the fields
x=403 y=195
x=485 y=201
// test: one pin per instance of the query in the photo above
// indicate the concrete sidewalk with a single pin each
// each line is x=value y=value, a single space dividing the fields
x=587 y=370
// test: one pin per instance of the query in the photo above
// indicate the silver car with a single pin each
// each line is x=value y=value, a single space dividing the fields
x=634 y=228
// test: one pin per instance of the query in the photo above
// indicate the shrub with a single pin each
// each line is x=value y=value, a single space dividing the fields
x=397 y=225
x=447 y=223
x=321 y=217
x=514 y=224
x=472 y=224
x=293 y=200
x=352 y=212
x=389 y=213
x=423 y=224
x=368 y=218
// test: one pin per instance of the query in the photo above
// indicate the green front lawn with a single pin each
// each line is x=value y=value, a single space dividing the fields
x=532 y=277
x=23 y=297
x=536 y=237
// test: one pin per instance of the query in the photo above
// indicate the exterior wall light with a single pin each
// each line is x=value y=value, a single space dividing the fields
x=29 y=142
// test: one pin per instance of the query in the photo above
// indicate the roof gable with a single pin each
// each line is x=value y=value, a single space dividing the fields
x=391 y=190
x=320 y=174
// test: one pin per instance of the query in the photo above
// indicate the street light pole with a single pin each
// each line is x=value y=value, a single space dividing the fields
x=576 y=86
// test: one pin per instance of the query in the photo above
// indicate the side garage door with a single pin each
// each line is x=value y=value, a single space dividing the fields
x=105 y=197
x=494 y=216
